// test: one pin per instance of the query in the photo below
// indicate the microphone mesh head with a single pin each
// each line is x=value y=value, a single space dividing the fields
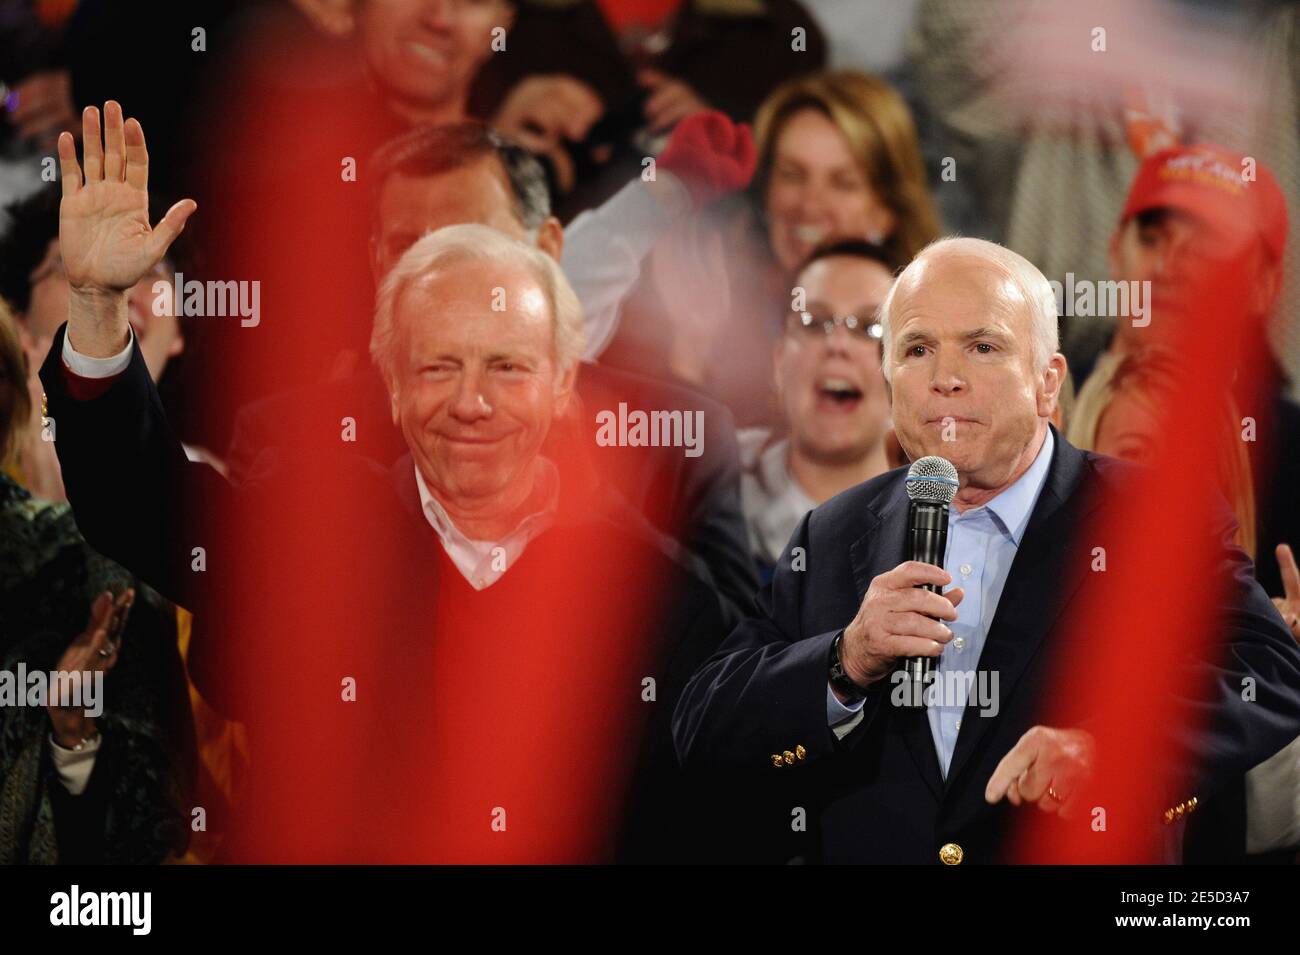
x=932 y=479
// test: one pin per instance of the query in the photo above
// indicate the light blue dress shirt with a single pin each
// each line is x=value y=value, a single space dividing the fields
x=982 y=543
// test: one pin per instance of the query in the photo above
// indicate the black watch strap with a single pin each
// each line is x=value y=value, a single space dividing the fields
x=839 y=679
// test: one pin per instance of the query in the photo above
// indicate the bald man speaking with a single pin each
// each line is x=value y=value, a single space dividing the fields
x=807 y=691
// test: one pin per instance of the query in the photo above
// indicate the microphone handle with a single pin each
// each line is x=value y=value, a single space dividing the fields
x=927 y=541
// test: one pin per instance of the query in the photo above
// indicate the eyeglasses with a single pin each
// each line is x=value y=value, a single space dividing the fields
x=816 y=322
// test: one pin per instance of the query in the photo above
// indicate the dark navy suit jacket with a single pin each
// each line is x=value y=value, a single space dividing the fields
x=878 y=795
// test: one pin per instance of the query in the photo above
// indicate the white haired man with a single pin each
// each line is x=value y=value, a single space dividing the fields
x=463 y=600
x=970 y=351
x=427 y=179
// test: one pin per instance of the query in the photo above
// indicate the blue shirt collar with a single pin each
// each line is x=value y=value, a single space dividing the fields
x=1013 y=507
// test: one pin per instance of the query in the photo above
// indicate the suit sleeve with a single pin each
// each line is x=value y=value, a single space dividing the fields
x=764 y=692
x=715 y=522
x=603 y=252
x=135 y=496
x=1249 y=708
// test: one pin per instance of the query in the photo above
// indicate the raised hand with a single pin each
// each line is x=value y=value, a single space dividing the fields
x=710 y=154
x=107 y=243
x=1289 y=605
x=95 y=648
x=43 y=106
x=542 y=112
x=669 y=101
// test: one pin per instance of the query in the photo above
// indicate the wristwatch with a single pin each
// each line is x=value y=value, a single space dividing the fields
x=839 y=679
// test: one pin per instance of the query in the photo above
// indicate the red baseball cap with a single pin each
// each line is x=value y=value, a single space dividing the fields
x=1214 y=184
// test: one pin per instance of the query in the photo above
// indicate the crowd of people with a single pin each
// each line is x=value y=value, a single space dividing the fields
x=549 y=505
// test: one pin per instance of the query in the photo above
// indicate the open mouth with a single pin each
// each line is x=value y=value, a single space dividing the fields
x=837 y=394
x=809 y=234
x=426 y=54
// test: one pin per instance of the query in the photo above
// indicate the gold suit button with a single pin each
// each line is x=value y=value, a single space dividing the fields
x=777 y=761
x=788 y=757
x=800 y=752
x=1185 y=808
x=951 y=854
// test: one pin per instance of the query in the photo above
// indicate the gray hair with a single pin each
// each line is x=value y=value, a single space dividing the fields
x=1017 y=269
x=472 y=242
x=430 y=151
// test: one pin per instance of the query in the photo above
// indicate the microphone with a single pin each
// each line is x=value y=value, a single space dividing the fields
x=931 y=485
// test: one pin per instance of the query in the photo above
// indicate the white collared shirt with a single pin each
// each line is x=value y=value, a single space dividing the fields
x=483 y=563
x=982 y=544
x=772 y=500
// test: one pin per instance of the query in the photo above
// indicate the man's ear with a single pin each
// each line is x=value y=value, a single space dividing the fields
x=778 y=350
x=895 y=456
x=1112 y=251
x=564 y=390
x=376 y=275
x=1049 y=389
x=550 y=238
x=394 y=400
x=1264 y=291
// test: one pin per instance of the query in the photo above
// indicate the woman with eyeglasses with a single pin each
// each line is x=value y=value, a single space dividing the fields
x=834 y=409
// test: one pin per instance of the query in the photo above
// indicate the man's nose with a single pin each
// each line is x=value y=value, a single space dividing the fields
x=812 y=199
x=838 y=342
x=470 y=402
x=948 y=377
x=438 y=13
x=1173 y=258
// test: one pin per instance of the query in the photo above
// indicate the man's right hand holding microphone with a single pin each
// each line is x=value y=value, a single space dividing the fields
x=898 y=619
